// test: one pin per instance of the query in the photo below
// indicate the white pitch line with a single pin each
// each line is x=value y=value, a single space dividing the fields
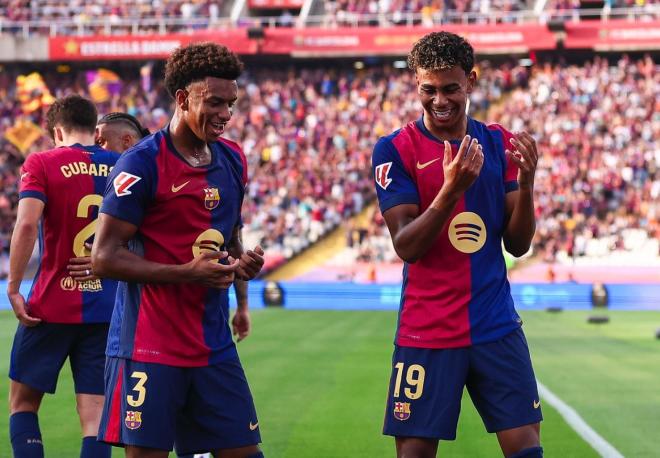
x=604 y=448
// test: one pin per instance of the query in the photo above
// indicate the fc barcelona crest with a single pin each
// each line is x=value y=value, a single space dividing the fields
x=211 y=198
x=402 y=410
x=133 y=419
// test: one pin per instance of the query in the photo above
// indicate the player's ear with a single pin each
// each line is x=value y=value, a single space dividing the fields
x=471 y=81
x=127 y=141
x=181 y=97
x=58 y=135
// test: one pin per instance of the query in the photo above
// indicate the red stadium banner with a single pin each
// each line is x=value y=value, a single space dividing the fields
x=312 y=42
x=616 y=35
x=275 y=4
x=365 y=41
x=119 y=47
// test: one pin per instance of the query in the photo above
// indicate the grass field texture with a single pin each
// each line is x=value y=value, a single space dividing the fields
x=319 y=381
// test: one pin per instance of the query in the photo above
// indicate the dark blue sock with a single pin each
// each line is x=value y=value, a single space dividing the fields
x=259 y=454
x=192 y=455
x=91 y=448
x=532 y=452
x=25 y=435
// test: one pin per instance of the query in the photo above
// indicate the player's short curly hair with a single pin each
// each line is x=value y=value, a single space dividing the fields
x=441 y=51
x=72 y=112
x=198 y=61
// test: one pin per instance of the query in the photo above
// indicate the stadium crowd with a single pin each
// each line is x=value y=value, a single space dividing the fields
x=598 y=180
x=308 y=136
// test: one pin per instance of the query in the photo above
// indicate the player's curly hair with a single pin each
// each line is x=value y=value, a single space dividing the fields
x=72 y=112
x=197 y=61
x=441 y=51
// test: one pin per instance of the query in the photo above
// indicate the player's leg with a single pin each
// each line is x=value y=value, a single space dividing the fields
x=24 y=431
x=37 y=355
x=424 y=399
x=503 y=388
x=141 y=405
x=87 y=358
x=408 y=447
x=524 y=441
x=220 y=414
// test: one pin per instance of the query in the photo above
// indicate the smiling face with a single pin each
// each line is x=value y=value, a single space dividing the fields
x=207 y=106
x=444 y=95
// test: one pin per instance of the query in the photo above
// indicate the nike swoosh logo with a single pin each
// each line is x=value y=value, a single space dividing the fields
x=426 y=164
x=179 y=188
x=254 y=426
x=537 y=404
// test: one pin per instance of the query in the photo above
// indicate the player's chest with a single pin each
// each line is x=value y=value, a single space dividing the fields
x=428 y=170
x=198 y=196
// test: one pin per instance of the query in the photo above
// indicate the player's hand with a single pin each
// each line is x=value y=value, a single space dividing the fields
x=80 y=268
x=250 y=264
x=208 y=271
x=526 y=157
x=241 y=324
x=21 y=310
x=461 y=171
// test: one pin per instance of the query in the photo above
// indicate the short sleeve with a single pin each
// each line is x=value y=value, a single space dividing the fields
x=394 y=186
x=130 y=188
x=33 y=178
x=510 y=167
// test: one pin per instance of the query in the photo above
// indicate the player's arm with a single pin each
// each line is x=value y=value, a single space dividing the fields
x=23 y=238
x=111 y=258
x=521 y=224
x=412 y=233
x=250 y=265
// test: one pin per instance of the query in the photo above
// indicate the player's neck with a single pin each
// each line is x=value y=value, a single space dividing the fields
x=455 y=132
x=193 y=150
x=75 y=137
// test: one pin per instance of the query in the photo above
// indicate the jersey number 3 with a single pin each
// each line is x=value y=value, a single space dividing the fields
x=90 y=200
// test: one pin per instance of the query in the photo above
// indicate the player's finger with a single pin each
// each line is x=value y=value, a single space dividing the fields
x=446 y=160
x=259 y=250
x=524 y=146
x=471 y=152
x=28 y=320
x=211 y=255
x=478 y=158
x=515 y=159
x=463 y=148
x=81 y=260
x=254 y=258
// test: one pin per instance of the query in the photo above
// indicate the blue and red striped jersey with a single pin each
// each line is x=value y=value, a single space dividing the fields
x=180 y=211
x=458 y=293
x=70 y=181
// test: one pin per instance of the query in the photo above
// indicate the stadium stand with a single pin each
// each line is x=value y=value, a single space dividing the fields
x=307 y=134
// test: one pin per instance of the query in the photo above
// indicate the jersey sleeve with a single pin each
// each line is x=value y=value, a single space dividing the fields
x=510 y=167
x=394 y=186
x=33 y=178
x=130 y=187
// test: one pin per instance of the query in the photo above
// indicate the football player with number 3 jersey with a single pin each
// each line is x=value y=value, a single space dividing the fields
x=68 y=309
x=451 y=190
x=170 y=231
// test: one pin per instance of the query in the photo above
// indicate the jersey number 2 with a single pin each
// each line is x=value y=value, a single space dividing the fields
x=90 y=200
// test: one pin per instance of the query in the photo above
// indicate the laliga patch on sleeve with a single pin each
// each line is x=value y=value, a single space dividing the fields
x=382 y=171
x=123 y=183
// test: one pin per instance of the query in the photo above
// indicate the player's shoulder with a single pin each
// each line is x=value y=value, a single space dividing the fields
x=494 y=129
x=145 y=150
x=386 y=142
x=233 y=147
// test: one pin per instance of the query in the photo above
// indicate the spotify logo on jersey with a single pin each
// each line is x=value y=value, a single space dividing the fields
x=209 y=240
x=467 y=232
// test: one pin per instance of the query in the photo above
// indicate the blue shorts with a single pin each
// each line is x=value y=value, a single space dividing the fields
x=39 y=352
x=426 y=388
x=197 y=408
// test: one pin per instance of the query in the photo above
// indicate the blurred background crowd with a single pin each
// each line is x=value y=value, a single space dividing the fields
x=308 y=134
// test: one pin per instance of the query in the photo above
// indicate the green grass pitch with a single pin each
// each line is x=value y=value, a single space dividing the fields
x=319 y=381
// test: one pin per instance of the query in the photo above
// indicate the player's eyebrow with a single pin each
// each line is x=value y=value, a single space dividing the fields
x=216 y=98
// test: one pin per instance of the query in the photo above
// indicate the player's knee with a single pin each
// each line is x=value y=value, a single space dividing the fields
x=531 y=452
x=22 y=398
